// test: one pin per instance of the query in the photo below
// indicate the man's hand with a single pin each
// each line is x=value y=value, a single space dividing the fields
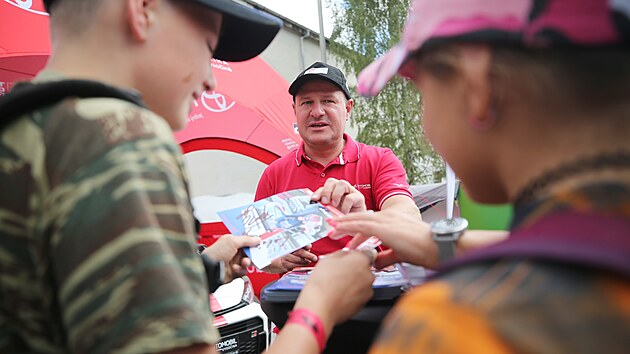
x=299 y=258
x=408 y=237
x=340 y=194
x=228 y=248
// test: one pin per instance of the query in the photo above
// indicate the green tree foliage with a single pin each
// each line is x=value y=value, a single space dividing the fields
x=364 y=30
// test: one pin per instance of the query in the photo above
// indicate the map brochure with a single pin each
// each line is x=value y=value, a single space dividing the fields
x=285 y=222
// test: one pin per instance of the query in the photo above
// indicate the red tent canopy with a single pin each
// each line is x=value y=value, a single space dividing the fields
x=251 y=105
x=24 y=39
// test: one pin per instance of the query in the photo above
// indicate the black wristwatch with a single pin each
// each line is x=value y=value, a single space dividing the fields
x=215 y=270
x=446 y=232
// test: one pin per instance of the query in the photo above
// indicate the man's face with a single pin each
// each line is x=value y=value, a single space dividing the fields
x=180 y=71
x=321 y=110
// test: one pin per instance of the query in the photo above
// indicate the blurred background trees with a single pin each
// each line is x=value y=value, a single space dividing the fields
x=363 y=31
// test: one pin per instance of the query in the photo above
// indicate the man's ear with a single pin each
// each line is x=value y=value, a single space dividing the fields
x=140 y=17
x=349 y=106
x=475 y=68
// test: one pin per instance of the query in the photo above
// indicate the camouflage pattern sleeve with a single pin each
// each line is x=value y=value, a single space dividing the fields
x=111 y=233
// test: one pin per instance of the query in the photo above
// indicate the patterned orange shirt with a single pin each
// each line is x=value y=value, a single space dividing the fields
x=525 y=304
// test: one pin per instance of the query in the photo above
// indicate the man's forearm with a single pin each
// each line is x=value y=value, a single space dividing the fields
x=403 y=204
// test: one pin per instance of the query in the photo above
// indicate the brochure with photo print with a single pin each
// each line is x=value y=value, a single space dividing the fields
x=285 y=222
x=297 y=278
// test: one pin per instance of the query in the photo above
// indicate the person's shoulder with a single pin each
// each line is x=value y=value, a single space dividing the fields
x=81 y=132
x=376 y=153
x=373 y=149
x=101 y=121
x=469 y=275
x=510 y=292
x=472 y=282
x=428 y=320
x=120 y=119
x=380 y=150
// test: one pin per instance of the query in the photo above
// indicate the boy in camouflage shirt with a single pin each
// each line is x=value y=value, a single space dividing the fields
x=96 y=228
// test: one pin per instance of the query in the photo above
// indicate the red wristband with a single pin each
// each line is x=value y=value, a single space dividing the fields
x=311 y=321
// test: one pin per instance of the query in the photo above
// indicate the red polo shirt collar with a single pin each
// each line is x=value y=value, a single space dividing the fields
x=351 y=153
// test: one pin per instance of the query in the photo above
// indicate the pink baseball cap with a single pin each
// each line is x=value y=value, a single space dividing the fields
x=528 y=23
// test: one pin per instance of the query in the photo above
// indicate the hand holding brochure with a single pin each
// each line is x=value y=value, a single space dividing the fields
x=286 y=222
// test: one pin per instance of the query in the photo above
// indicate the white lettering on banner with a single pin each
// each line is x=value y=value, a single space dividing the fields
x=289 y=143
x=219 y=61
x=195 y=117
x=220 y=102
x=220 y=65
x=26 y=5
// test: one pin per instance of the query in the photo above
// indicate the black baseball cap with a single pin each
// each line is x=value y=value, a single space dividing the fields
x=245 y=31
x=320 y=71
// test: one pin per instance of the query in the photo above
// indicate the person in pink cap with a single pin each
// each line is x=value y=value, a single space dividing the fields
x=529 y=102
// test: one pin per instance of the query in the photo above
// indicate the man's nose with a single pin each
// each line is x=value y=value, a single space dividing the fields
x=317 y=110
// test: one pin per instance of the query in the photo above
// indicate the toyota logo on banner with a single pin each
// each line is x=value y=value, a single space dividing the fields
x=28 y=6
x=215 y=102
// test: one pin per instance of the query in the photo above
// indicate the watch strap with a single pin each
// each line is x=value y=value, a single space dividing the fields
x=446 y=250
x=445 y=233
x=214 y=270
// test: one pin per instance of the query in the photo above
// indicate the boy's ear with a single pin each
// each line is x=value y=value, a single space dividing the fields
x=140 y=17
x=475 y=68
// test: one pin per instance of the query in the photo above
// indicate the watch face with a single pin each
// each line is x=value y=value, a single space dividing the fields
x=449 y=226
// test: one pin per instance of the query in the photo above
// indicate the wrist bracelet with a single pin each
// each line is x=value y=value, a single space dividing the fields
x=311 y=321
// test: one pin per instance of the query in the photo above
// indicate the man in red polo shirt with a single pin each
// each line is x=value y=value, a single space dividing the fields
x=344 y=173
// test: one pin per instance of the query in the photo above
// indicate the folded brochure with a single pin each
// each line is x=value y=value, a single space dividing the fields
x=285 y=222
x=296 y=279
